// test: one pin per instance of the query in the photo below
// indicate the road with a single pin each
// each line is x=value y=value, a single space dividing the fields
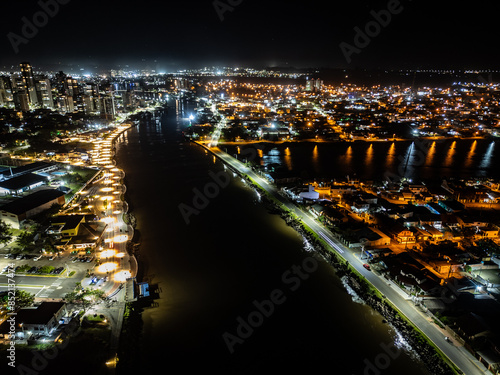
x=457 y=354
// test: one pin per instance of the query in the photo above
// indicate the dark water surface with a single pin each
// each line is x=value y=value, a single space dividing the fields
x=231 y=254
x=426 y=159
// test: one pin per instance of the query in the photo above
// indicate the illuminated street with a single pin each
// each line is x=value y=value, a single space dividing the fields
x=459 y=355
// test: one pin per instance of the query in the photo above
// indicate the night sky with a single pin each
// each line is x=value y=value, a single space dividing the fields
x=170 y=35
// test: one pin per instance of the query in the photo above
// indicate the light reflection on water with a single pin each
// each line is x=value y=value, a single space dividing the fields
x=485 y=163
x=420 y=159
x=449 y=156
x=470 y=155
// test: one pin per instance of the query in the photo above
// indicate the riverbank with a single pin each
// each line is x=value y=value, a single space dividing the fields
x=426 y=351
x=368 y=140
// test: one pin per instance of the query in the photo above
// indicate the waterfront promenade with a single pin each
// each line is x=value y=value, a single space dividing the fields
x=457 y=354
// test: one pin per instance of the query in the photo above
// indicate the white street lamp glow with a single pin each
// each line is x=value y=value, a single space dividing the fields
x=107 y=267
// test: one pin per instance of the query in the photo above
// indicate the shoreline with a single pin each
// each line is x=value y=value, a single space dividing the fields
x=429 y=354
x=318 y=141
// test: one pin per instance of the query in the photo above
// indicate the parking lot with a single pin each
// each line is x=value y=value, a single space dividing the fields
x=46 y=276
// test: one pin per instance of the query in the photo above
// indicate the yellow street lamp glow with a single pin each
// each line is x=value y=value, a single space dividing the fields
x=120 y=255
x=107 y=198
x=107 y=189
x=108 y=220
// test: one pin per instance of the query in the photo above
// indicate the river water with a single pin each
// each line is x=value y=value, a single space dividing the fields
x=214 y=271
x=419 y=160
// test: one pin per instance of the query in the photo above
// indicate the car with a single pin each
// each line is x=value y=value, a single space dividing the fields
x=37 y=258
x=367 y=266
x=51 y=258
x=19 y=257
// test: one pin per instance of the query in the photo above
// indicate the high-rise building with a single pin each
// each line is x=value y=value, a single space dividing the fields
x=107 y=107
x=6 y=93
x=44 y=91
x=28 y=80
x=21 y=101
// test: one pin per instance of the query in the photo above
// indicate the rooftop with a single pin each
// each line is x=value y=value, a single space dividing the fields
x=29 y=202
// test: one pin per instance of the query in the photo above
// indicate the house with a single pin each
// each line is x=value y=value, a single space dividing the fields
x=434 y=233
x=15 y=212
x=489 y=231
x=421 y=234
x=310 y=194
x=65 y=225
x=316 y=210
x=358 y=205
x=394 y=229
x=471 y=326
x=368 y=198
x=334 y=216
x=402 y=234
x=417 y=188
x=41 y=320
x=451 y=205
x=299 y=193
x=468 y=221
x=77 y=231
x=368 y=236
x=444 y=267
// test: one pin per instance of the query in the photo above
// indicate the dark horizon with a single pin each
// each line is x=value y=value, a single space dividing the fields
x=416 y=35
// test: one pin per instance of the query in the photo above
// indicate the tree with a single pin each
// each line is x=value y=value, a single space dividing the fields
x=25 y=239
x=85 y=298
x=5 y=233
x=23 y=299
